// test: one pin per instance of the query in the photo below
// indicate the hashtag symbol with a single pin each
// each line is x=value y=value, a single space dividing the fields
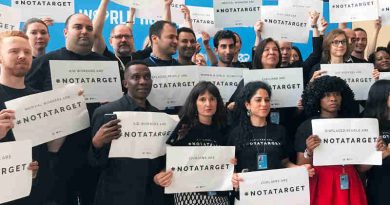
x=58 y=80
x=18 y=122
x=173 y=168
x=246 y=193
x=16 y=2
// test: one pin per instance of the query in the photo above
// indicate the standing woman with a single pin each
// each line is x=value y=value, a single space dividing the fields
x=335 y=50
x=38 y=35
x=260 y=145
x=378 y=177
x=327 y=97
x=204 y=118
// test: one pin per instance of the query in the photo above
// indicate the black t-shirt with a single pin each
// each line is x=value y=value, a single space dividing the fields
x=153 y=62
x=269 y=140
x=199 y=135
x=8 y=93
x=358 y=60
x=39 y=190
x=378 y=177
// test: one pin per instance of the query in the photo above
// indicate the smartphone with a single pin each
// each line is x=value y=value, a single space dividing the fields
x=108 y=117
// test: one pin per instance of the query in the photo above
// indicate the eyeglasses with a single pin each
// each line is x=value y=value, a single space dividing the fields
x=337 y=42
x=119 y=36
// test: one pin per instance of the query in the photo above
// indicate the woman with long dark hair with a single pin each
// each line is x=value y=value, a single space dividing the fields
x=204 y=118
x=255 y=137
x=328 y=97
x=378 y=177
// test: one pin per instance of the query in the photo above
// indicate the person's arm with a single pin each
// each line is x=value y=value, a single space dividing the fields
x=130 y=25
x=103 y=134
x=258 y=28
x=210 y=54
x=6 y=122
x=99 y=44
x=373 y=40
x=342 y=25
x=187 y=16
x=167 y=10
x=306 y=157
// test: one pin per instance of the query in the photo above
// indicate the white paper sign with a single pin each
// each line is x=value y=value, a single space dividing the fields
x=58 y=10
x=341 y=11
x=286 y=84
x=384 y=11
x=200 y=168
x=312 y=5
x=203 y=20
x=384 y=75
x=275 y=187
x=50 y=115
x=127 y=3
x=171 y=85
x=236 y=13
x=100 y=79
x=357 y=75
x=9 y=18
x=285 y=23
x=15 y=179
x=144 y=135
x=346 y=141
x=226 y=79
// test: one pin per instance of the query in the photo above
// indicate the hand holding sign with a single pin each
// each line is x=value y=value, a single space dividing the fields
x=312 y=142
x=33 y=166
x=107 y=133
x=6 y=121
x=164 y=178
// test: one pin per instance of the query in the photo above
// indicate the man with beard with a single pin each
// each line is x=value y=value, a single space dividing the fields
x=186 y=45
x=15 y=62
x=75 y=180
x=121 y=39
x=224 y=47
x=163 y=37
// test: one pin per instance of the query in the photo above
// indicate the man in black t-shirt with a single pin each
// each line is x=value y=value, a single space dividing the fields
x=16 y=58
x=75 y=179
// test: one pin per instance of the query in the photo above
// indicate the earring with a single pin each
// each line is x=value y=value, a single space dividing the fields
x=248 y=112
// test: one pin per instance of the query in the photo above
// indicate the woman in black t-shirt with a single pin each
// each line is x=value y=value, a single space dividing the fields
x=378 y=177
x=202 y=123
x=260 y=145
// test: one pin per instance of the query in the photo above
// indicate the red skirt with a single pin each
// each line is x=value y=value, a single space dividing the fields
x=325 y=187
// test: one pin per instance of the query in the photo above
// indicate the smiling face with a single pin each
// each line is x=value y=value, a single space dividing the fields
x=338 y=46
x=260 y=104
x=270 y=56
x=138 y=81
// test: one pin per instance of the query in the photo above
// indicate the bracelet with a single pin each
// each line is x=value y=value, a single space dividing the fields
x=306 y=154
x=129 y=21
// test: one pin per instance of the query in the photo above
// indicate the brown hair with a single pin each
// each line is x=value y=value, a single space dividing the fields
x=326 y=45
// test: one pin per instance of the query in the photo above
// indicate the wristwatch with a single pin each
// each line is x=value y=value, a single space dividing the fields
x=314 y=26
x=306 y=154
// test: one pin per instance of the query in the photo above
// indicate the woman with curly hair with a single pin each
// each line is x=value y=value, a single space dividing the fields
x=381 y=60
x=203 y=116
x=327 y=97
x=378 y=177
x=260 y=145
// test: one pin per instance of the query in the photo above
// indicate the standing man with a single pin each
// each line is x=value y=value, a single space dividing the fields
x=15 y=62
x=75 y=180
x=224 y=47
x=163 y=37
x=126 y=180
x=186 y=45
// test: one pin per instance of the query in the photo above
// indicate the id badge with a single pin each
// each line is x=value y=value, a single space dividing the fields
x=262 y=161
x=212 y=193
x=275 y=117
x=344 y=182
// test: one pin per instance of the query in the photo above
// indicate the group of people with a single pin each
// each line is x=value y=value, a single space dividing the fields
x=76 y=169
